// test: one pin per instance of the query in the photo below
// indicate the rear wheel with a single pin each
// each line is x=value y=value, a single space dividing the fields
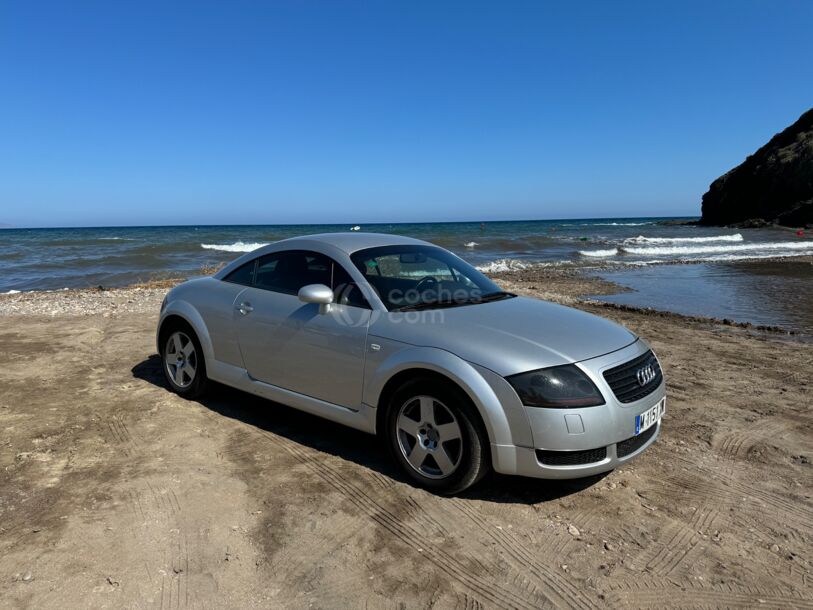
x=183 y=363
x=434 y=434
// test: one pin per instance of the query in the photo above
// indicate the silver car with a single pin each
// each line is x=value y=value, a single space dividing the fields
x=397 y=337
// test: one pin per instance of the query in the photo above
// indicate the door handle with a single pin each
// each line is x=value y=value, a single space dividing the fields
x=245 y=308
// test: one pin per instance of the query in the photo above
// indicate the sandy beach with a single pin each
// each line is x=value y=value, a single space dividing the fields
x=115 y=492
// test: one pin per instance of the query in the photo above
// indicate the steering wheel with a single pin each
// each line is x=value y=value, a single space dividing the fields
x=426 y=283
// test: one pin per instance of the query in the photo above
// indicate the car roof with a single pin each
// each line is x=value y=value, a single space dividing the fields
x=348 y=242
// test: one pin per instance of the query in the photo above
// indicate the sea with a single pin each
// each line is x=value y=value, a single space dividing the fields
x=659 y=262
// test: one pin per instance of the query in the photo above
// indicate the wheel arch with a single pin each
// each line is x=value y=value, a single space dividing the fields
x=183 y=312
x=446 y=367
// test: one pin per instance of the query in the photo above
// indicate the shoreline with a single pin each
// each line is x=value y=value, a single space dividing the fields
x=564 y=285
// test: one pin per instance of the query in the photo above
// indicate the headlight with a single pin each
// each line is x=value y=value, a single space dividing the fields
x=559 y=387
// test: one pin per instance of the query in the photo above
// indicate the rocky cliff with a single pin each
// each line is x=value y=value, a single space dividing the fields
x=772 y=186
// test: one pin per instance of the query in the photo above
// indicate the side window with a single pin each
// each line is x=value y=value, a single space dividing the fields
x=244 y=274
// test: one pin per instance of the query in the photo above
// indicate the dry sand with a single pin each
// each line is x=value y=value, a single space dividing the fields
x=116 y=493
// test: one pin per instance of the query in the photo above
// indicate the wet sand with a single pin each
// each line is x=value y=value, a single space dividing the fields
x=116 y=493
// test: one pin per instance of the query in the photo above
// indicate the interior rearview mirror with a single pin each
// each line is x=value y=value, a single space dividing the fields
x=412 y=257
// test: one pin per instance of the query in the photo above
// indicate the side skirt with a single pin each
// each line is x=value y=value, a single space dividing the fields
x=236 y=377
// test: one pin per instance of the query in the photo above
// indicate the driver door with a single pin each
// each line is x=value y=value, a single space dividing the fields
x=288 y=343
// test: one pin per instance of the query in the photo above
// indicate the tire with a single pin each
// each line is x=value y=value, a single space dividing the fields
x=184 y=366
x=436 y=436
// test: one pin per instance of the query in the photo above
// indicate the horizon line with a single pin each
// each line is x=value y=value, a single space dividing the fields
x=323 y=224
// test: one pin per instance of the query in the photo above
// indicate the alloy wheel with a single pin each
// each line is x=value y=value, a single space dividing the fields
x=429 y=437
x=181 y=359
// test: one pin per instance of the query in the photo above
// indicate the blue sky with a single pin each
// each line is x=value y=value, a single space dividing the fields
x=303 y=111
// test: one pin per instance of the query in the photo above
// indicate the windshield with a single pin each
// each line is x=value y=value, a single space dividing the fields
x=415 y=277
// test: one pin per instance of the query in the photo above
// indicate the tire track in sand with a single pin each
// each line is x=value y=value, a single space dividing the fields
x=728 y=491
x=664 y=593
x=680 y=540
x=555 y=587
x=486 y=587
x=735 y=444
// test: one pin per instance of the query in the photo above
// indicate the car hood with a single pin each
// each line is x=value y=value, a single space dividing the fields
x=509 y=336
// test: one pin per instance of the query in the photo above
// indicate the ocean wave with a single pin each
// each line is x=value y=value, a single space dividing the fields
x=618 y=224
x=504 y=264
x=606 y=224
x=117 y=238
x=237 y=246
x=682 y=240
x=29 y=291
x=599 y=253
x=718 y=258
x=747 y=257
x=513 y=264
x=751 y=247
x=471 y=244
x=780 y=248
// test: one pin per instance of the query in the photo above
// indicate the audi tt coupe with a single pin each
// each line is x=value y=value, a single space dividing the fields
x=400 y=338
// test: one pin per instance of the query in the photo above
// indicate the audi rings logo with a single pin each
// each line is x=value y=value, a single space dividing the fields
x=645 y=375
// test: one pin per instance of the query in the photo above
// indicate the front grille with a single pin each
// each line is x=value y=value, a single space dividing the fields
x=571 y=458
x=623 y=379
x=631 y=445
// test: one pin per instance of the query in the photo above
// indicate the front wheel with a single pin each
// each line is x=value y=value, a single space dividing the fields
x=183 y=363
x=436 y=437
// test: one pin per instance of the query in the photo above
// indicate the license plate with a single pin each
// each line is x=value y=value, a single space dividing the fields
x=650 y=417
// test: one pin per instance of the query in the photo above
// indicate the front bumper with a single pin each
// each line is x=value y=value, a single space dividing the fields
x=524 y=461
x=598 y=439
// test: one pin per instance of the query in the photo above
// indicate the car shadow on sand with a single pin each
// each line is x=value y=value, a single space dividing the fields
x=353 y=445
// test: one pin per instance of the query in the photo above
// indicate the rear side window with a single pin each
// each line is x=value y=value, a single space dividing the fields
x=244 y=274
x=290 y=270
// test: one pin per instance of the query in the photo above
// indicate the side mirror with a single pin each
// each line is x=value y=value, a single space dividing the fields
x=317 y=293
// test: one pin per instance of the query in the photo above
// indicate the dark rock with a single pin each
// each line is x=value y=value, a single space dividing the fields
x=677 y=223
x=772 y=186
x=752 y=223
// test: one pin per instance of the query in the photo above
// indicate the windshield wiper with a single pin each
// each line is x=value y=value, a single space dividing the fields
x=486 y=298
x=427 y=305
x=496 y=296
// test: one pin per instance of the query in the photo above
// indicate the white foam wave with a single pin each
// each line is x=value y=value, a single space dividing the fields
x=718 y=258
x=504 y=264
x=117 y=238
x=619 y=224
x=237 y=246
x=599 y=253
x=606 y=224
x=773 y=247
x=746 y=257
x=682 y=240
x=12 y=292
x=471 y=244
